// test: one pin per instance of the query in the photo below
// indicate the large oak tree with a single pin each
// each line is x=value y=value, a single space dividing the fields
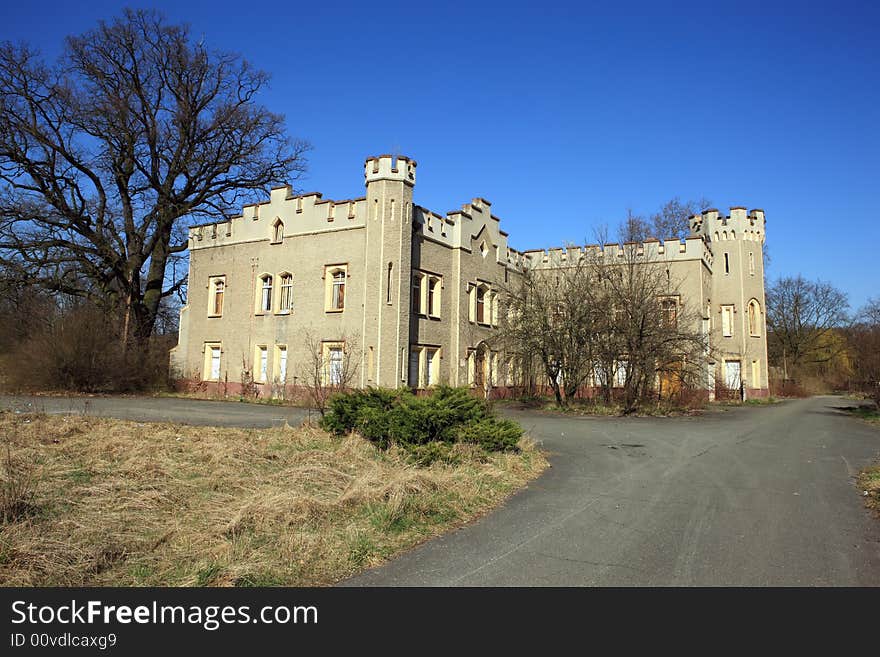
x=108 y=155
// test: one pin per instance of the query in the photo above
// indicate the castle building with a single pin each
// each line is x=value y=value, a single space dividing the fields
x=413 y=296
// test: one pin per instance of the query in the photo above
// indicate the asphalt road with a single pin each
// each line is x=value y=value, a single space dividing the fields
x=751 y=496
x=160 y=409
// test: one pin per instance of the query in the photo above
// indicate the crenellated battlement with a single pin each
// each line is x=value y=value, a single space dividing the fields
x=692 y=248
x=389 y=167
x=741 y=223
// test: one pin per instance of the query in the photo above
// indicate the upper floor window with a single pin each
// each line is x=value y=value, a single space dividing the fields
x=417 y=293
x=265 y=293
x=334 y=282
x=390 y=277
x=726 y=263
x=217 y=288
x=669 y=313
x=754 y=318
x=338 y=302
x=481 y=305
x=434 y=287
x=751 y=263
x=426 y=294
x=285 y=303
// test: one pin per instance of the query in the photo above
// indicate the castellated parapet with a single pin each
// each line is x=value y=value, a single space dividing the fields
x=651 y=250
x=739 y=224
x=389 y=167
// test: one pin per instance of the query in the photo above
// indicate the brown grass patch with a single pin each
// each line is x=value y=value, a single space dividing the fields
x=114 y=503
x=869 y=484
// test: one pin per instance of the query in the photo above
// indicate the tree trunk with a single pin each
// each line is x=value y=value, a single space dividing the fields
x=149 y=306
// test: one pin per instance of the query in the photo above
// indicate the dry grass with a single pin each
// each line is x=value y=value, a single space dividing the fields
x=869 y=483
x=125 y=504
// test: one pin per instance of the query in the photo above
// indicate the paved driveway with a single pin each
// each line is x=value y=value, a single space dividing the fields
x=752 y=496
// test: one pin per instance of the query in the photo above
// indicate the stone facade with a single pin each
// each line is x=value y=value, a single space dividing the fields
x=416 y=293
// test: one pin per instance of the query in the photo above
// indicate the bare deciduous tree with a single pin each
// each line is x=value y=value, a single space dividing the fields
x=329 y=367
x=802 y=316
x=609 y=314
x=107 y=156
x=548 y=320
x=671 y=221
x=864 y=341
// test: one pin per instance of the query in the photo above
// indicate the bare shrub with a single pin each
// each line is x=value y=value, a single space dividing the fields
x=325 y=372
x=79 y=348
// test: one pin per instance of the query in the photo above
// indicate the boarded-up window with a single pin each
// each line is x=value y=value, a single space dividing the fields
x=262 y=363
x=754 y=318
x=727 y=321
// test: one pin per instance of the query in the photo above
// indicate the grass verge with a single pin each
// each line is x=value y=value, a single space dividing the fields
x=869 y=414
x=99 y=502
x=869 y=484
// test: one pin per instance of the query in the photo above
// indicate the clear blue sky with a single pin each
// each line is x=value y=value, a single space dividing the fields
x=565 y=115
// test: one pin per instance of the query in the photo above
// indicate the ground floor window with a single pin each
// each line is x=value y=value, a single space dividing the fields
x=262 y=363
x=424 y=366
x=732 y=375
x=335 y=361
x=211 y=370
x=281 y=363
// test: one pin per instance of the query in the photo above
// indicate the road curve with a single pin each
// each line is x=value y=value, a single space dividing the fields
x=749 y=497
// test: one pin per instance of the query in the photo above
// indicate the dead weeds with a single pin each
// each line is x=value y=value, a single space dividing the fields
x=114 y=503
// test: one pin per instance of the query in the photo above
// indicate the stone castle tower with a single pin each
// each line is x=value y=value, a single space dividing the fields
x=388 y=256
x=735 y=303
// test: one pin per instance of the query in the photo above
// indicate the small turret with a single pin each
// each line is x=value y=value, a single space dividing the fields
x=740 y=224
x=389 y=167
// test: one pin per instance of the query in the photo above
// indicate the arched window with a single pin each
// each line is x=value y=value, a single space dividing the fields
x=265 y=293
x=285 y=303
x=754 y=318
x=334 y=287
x=277 y=231
x=481 y=304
